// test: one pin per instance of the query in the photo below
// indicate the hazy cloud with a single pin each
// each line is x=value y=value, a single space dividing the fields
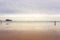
x=30 y=6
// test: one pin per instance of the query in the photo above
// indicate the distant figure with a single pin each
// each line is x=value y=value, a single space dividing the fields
x=8 y=20
x=55 y=23
x=0 y=21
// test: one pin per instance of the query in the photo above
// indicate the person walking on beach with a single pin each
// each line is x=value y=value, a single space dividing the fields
x=0 y=21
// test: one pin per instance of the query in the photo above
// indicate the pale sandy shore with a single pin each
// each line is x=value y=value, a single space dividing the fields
x=30 y=31
x=29 y=35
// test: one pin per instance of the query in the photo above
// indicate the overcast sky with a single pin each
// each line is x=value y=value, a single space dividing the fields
x=30 y=6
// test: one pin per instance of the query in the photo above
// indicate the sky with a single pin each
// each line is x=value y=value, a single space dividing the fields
x=30 y=6
x=40 y=7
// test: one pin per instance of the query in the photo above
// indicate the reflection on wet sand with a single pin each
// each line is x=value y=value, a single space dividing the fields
x=29 y=35
x=29 y=31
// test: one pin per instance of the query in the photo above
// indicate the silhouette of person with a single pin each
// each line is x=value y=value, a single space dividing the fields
x=0 y=21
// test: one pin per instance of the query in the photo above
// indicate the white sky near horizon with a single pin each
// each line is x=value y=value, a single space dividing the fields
x=30 y=17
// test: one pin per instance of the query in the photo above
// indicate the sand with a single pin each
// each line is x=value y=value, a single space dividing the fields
x=29 y=35
x=30 y=31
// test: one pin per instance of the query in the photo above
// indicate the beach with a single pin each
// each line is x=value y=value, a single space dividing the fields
x=29 y=31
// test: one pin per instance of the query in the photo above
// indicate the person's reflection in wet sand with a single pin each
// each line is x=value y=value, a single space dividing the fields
x=55 y=23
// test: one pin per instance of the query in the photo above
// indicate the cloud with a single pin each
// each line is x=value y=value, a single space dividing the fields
x=30 y=6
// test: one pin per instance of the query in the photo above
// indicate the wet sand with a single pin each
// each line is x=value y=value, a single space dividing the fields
x=30 y=31
x=29 y=35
